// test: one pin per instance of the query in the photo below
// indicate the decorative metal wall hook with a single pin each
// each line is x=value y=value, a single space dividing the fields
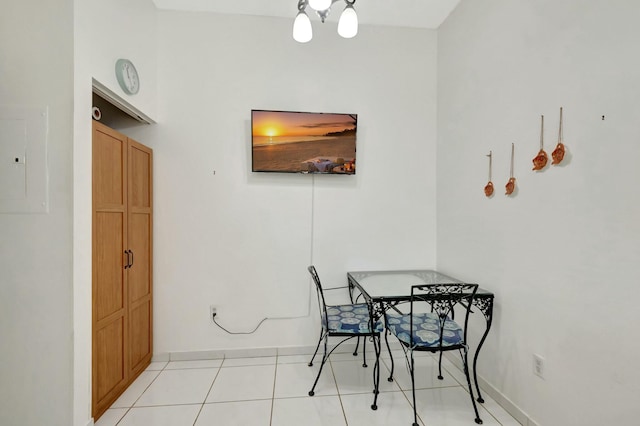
x=540 y=160
x=488 y=189
x=511 y=185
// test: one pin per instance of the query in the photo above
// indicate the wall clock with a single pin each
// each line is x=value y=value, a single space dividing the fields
x=127 y=76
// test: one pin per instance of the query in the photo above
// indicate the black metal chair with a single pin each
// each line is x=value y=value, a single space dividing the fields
x=349 y=321
x=429 y=326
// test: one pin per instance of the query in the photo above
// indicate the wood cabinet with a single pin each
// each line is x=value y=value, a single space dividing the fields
x=122 y=339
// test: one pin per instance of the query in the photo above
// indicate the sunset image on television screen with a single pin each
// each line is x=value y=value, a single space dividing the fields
x=301 y=142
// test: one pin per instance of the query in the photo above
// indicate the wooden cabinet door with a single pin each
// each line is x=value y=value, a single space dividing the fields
x=110 y=298
x=140 y=209
x=122 y=340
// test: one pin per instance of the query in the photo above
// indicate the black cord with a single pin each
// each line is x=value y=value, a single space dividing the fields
x=238 y=332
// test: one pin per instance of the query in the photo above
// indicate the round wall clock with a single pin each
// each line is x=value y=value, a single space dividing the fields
x=127 y=76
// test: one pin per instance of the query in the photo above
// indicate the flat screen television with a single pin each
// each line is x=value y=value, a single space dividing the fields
x=303 y=142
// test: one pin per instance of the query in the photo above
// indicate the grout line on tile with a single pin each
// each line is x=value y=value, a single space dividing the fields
x=142 y=393
x=208 y=392
x=273 y=392
x=168 y=405
x=335 y=382
x=199 y=411
x=235 y=366
x=192 y=368
x=385 y=362
x=125 y=413
x=465 y=387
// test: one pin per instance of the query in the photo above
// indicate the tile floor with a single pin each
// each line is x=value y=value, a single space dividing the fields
x=273 y=391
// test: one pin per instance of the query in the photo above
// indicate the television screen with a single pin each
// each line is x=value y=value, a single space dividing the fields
x=303 y=142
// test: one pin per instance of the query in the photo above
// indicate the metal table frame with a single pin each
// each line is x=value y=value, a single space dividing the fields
x=387 y=294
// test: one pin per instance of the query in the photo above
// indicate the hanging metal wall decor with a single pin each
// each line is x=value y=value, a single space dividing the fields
x=558 y=153
x=488 y=189
x=511 y=185
x=540 y=160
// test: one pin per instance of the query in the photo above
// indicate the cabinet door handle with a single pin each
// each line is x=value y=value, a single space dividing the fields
x=127 y=265
x=131 y=264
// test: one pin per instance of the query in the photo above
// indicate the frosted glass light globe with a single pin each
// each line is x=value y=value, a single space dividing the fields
x=320 y=4
x=348 y=23
x=302 y=31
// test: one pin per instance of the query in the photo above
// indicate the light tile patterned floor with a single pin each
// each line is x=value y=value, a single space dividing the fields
x=273 y=391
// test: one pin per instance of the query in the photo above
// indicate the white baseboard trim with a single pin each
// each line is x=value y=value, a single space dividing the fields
x=244 y=353
x=508 y=405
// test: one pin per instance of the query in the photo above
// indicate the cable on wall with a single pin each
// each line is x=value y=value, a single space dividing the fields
x=213 y=318
x=313 y=209
x=238 y=332
x=311 y=238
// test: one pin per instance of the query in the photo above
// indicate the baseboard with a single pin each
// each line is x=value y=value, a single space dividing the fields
x=161 y=357
x=508 y=405
x=242 y=353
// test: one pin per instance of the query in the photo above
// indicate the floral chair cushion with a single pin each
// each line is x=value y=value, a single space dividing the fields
x=349 y=319
x=426 y=330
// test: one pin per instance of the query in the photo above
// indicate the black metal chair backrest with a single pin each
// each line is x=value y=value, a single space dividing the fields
x=442 y=299
x=320 y=295
x=348 y=322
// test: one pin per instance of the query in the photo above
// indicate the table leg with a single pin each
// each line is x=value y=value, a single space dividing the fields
x=386 y=340
x=386 y=333
x=486 y=306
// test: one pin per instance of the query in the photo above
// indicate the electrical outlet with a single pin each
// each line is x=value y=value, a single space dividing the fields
x=538 y=365
x=213 y=311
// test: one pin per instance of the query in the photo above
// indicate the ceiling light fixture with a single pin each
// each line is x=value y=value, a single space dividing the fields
x=347 y=25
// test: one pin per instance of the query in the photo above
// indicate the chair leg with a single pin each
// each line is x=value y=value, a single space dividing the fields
x=355 y=351
x=440 y=367
x=465 y=364
x=386 y=339
x=413 y=390
x=376 y=372
x=317 y=347
x=325 y=356
x=364 y=352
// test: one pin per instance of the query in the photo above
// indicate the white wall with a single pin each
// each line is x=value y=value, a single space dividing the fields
x=241 y=240
x=108 y=31
x=562 y=255
x=36 y=39
x=104 y=32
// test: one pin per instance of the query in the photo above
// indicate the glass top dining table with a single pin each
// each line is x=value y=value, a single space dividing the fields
x=389 y=288
x=395 y=286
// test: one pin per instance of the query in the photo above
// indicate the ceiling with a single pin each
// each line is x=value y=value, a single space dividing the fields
x=397 y=13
